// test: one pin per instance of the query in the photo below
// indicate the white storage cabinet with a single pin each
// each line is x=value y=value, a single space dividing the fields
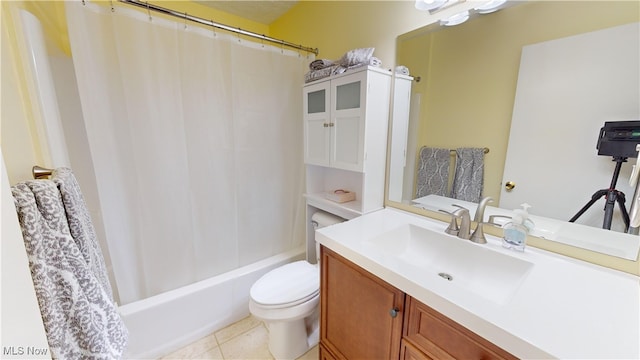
x=346 y=119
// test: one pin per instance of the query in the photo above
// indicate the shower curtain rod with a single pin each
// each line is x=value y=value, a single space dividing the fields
x=149 y=7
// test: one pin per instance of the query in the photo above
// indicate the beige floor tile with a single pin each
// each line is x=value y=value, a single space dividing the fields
x=252 y=344
x=193 y=350
x=237 y=328
x=214 y=353
x=312 y=354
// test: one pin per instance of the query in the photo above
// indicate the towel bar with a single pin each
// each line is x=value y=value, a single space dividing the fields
x=453 y=151
x=39 y=172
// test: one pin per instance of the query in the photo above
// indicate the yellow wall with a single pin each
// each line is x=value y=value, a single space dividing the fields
x=469 y=72
x=336 y=27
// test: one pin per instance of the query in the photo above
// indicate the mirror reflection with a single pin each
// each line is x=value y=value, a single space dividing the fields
x=530 y=86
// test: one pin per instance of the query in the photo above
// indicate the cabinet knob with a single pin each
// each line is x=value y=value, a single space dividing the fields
x=394 y=312
x=325 y=125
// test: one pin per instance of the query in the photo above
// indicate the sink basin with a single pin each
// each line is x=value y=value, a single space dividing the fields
x=460 y=263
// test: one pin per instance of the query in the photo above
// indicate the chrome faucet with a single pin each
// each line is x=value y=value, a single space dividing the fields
x=479 y=216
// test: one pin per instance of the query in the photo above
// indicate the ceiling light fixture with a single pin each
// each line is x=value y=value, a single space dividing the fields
x=455 y=19
x=429 y=5
x=490 y=6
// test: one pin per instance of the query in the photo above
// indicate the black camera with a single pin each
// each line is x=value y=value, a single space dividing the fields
x=619 y=139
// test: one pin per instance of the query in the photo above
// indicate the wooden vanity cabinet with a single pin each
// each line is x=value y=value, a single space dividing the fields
x=363 y=317
x=410 y=352
x=439 y=337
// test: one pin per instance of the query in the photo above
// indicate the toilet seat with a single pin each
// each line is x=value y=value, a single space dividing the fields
x=286 y=286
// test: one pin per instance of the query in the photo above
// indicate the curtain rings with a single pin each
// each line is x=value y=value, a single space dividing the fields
x=149 y=11
x=214 y=29
x=185 y=20
x=112 y=8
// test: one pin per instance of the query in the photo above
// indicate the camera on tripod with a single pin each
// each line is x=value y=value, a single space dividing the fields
x=619 y=139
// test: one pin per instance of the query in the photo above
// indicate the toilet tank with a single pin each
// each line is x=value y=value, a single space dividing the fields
x=319 y=220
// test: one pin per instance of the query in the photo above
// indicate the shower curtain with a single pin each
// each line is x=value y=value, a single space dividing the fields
x=196 y=142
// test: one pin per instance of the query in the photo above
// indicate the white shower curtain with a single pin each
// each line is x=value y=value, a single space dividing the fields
x=196 y=141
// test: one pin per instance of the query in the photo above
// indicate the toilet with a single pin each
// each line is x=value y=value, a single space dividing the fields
x=287 y=300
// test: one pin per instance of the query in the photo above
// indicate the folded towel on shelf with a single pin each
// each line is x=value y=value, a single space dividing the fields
x=320 y=64
x=355 y=57
x=469 y=174
x=338 y=70
x=402 y=70
x=79 y=316
x=433 y=172
x=318 y=74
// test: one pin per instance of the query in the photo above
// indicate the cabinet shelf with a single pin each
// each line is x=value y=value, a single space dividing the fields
x=347 y=210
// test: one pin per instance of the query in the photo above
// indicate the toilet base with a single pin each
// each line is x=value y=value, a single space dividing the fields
x=288 y=339
x=291 y=339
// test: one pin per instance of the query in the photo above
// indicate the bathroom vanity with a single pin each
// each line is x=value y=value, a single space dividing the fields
x=395 y=325
x=394 y=285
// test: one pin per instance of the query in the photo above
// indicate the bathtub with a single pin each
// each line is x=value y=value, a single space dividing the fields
x=166 y=322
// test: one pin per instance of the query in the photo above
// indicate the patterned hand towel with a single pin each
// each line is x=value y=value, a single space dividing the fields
x=80 y=319
x=469 y=174
x=433 y=172
x=80 y=225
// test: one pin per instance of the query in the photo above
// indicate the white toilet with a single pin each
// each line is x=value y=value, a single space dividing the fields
x=287 y=300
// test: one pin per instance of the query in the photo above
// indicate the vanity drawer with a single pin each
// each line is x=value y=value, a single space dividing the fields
x=439 y=337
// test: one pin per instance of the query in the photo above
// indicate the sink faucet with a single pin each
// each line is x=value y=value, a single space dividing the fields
x=464 y=231
x=479 y=216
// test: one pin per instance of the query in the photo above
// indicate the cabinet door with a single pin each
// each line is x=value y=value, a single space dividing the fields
x=317 y=137
x=409 y=352
x=441 y=338
x=361 y=315
x=324 y=354
x=348 y=96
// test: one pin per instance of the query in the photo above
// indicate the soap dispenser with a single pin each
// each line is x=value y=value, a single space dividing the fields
x=515 y=232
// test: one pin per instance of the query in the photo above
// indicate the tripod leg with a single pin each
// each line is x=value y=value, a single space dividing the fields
x=623 y=210
x=595 y=197
x=608 y=209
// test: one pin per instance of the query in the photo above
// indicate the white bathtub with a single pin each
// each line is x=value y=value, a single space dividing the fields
x=163 y=323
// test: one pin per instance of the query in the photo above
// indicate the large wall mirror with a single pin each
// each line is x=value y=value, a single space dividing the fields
x=532 y=83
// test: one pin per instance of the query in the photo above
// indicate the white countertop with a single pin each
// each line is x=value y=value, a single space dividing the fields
x=564 y=308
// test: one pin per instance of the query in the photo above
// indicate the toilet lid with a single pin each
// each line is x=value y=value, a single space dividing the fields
x=287 y=284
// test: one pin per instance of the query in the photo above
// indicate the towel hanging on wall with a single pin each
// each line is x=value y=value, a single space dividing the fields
x=80 y=225
x=433 y=172
x=79 y=315
x=468 y=179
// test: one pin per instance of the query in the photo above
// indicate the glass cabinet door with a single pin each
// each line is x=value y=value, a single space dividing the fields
x=348 y=96
x=316 y=101
x=316 y=123
x=347 y=129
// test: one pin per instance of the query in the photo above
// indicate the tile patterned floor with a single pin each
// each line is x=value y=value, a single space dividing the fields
x=245 y=340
